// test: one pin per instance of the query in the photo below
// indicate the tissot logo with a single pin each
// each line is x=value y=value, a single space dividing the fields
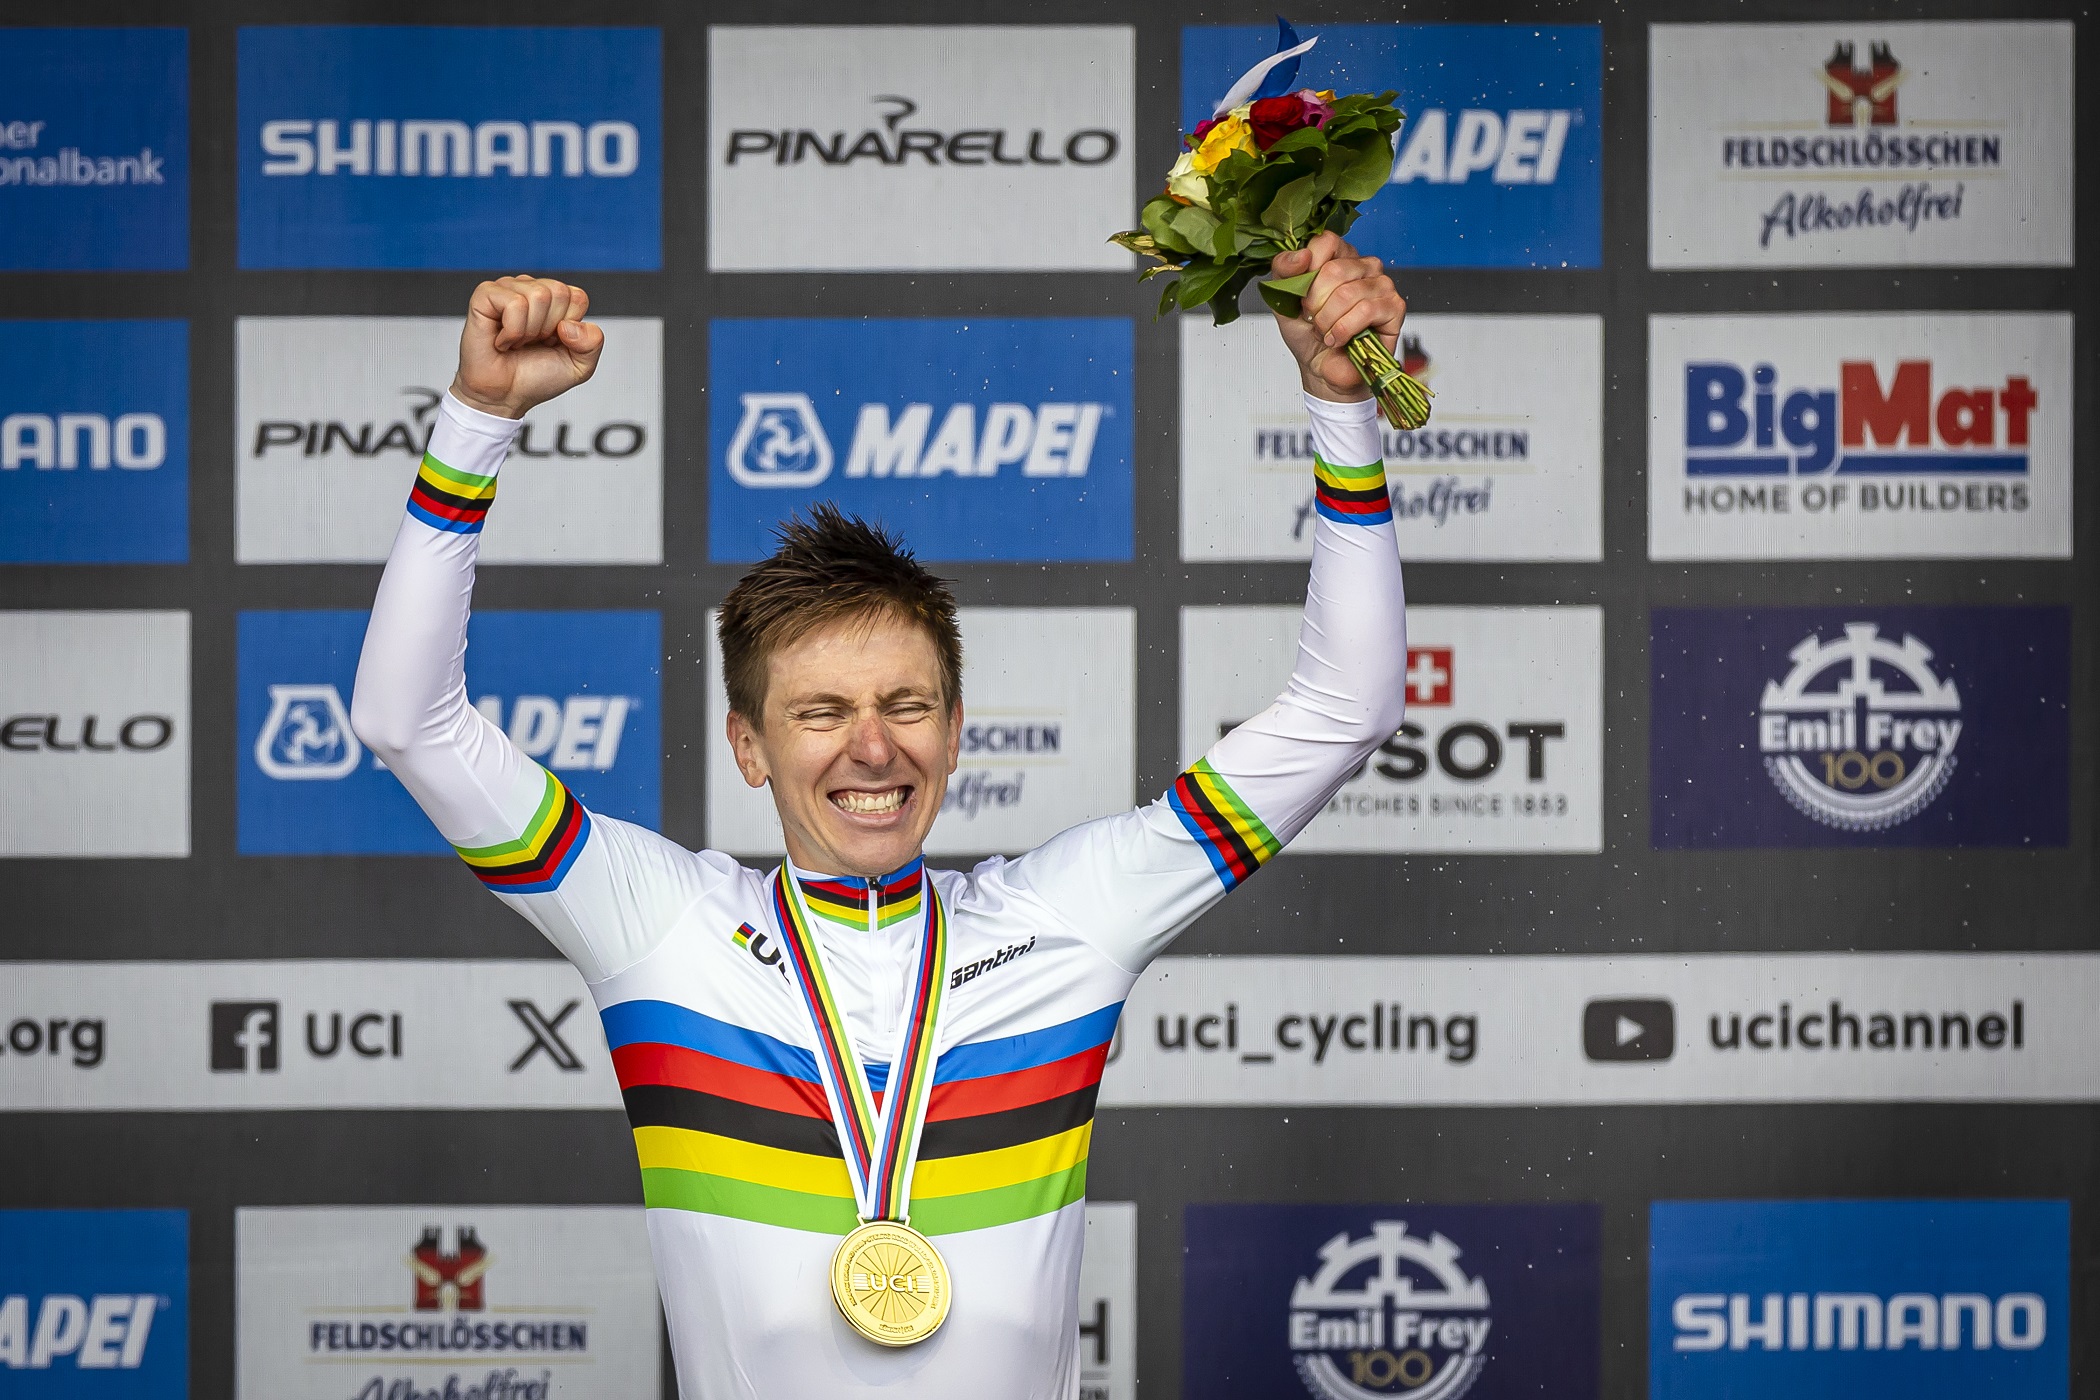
x=546 y=1035
x=244 y=1036
x=1629 y=1028
x=892 y=143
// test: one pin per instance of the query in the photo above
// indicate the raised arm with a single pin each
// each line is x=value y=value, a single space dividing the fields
x=603 y=891
x=1129 y=883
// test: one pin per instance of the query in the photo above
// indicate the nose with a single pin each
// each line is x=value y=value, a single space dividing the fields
x=869 y=742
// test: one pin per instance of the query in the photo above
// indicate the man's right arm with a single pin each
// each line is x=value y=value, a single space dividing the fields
x=603 y=891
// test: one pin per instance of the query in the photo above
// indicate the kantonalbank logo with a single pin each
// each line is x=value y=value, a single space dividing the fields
x=1746 y=422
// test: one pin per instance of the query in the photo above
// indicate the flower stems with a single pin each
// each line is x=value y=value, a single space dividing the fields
x=1401 y=397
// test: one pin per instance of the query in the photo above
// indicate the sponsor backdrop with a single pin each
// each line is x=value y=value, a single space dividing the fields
x=1694 y=999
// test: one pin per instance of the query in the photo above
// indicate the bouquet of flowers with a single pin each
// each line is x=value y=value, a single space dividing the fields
x=1268 y=170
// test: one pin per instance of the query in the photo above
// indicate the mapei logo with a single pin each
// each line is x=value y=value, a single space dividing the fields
x=1390 y=1313
x=94 y=1302
x=781 y=442
x=1739 y=423
x=1862 y=96
x=1860 y=734
x=449 y=1276
x=894 y=144
x=1519 y=146
x=307 y=735
x=98 y=1332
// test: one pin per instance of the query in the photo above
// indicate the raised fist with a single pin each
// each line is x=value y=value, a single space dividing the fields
x=1349 y=294
x=525 y=342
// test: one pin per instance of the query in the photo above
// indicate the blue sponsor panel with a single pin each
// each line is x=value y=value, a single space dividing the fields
x=1339 y=1302
x=1835 y=1300
x=1500 y=163
x=400 y=147
x=1860 y=727
x=977 y=440
x=94 y=442
x=580 y=692
x=95 y=1303
x=95 y=150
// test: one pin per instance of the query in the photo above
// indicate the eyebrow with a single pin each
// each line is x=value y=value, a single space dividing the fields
x=902 y=692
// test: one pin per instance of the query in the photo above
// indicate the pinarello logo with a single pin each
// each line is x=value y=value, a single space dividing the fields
x=1429 y=675
x=1862 y=96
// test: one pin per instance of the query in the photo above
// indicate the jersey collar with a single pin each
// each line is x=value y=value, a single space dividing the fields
x=844 y=899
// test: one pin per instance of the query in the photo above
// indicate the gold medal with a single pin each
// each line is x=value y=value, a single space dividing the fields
x=890 y=1283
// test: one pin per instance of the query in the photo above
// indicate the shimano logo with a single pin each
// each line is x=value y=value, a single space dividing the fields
x=431 y=147
x=65 y=441
x=1518 y=147
x=781 y=442
x=894 y=144
x=1858 y=1321
x=102 y=1332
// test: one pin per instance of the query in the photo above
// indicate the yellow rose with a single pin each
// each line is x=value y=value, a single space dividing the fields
x=1185 y=184
x=1229 y=135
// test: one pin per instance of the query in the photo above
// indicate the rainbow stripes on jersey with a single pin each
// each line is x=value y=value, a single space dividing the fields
x=731 y=1122
x=538 y=860
x=845 y=900
x=1231 y=835
x=446 y=498
x=1351 y=495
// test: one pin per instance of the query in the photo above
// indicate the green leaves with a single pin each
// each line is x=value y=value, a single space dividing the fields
x=1261 y=204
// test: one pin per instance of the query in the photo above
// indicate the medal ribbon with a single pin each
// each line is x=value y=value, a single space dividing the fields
x=881 y=1148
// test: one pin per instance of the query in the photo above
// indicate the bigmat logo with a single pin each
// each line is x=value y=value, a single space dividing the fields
x=1502 y=747
x=1422 y=1302
x=95 y=150
x=1822 y=145
x=580 y=692
x=95 y=1303
x=385 y=146
x=1026 y=128
x=1861 y=436
x=1508 y=469
x=1830 y=1300
x=1500 y=163
x=1048 y=735
x=1860 y=727
x=334 y=413
x=94 y=442
x=978 y=440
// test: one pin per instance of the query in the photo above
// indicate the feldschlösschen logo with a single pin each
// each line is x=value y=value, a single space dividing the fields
x=1357 y=1334
x=1373 y=1302
x=1860 y=734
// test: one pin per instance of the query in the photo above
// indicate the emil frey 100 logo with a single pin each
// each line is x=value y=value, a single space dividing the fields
x=1860 y=734
x=1387 y=1335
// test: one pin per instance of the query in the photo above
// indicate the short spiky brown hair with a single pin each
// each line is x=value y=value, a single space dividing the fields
x=829 y=566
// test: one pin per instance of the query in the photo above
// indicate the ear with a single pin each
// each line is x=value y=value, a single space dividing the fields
x=745 y=743
x=955 y=716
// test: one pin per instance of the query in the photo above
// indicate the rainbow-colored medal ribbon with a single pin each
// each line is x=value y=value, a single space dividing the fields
x=887 y=1278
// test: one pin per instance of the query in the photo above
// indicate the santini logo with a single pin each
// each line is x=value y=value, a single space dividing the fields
x=65 y=441
x=362 y=147
x=780 y=441
x=896 y=144
x=1858 y=1321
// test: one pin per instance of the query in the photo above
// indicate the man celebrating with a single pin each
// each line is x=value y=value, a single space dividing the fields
x=862 y=1091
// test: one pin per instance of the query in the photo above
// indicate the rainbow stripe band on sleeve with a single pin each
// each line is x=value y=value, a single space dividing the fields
x=1227 y=829
x=445 y=498
x=1351 y=495
x=538 y=861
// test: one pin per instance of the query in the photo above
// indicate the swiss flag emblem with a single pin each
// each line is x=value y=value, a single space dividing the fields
x=1429 y=675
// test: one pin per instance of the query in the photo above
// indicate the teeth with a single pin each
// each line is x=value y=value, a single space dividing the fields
x=870 y=803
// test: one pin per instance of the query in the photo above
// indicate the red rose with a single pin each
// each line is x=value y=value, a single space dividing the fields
x=1274 y=118
x=1202 y=130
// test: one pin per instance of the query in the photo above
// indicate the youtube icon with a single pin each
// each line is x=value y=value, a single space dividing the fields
x=1629 y=1028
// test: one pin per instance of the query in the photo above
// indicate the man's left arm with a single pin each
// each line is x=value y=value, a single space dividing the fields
x=1130 y=883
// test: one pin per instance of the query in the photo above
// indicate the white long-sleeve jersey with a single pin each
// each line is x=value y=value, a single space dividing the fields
x=742 y=1172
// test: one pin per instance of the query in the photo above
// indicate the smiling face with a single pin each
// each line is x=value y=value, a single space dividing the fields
x=856 y=743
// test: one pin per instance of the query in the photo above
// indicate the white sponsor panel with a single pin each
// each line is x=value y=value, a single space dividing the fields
x=1860 y=144
x=1048 y=736
x=1866 y=436
x=501 y=1302
x=1508 y=468
x=1108 y=1303
x=94 y=734
x=1701 y=1028
x=1502 y=747
x=877 y=148
x=305 y=1034
x=334 y=413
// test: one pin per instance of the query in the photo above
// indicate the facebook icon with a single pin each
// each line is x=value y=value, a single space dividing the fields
x=243 y=1036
